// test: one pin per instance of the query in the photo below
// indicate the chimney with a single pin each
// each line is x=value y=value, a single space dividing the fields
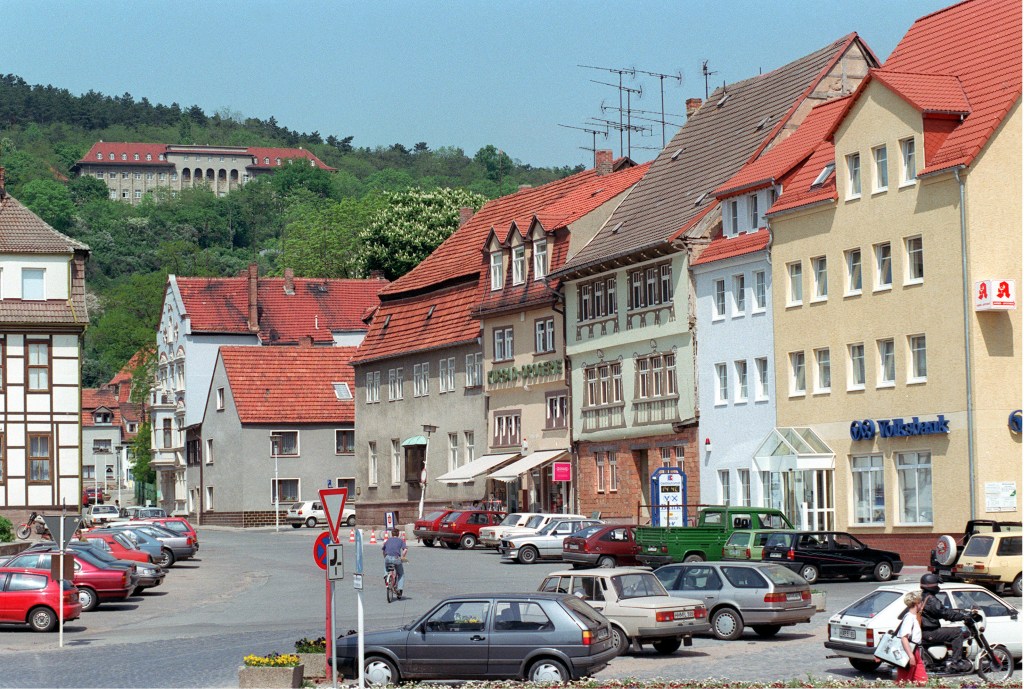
x=253 y=279
x=376 y=274
x=306 y=342
x=465 y=213
x=289 y=281
x=603 y=162
x=692 y=106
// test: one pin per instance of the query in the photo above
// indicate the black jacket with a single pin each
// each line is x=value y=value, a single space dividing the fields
x=934 y=612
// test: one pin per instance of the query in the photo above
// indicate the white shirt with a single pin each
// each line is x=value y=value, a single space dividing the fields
x=910 y=627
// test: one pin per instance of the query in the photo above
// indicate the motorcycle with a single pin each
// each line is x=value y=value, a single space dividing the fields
x=34 y=523
x=991 y=663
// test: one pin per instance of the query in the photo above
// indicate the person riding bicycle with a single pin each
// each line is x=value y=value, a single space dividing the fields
x=395 y=550
x=931 y=623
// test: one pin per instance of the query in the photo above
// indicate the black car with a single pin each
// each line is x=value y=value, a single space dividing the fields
x=539 y=637
x=827 y=554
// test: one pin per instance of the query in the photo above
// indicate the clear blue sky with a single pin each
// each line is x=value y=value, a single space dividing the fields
x=460 y=74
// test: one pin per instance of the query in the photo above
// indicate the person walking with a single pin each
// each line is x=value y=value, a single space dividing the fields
x=395 y=550
x=910 y=635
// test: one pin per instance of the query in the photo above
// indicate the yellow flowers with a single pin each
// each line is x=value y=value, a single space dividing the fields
x=272 y=660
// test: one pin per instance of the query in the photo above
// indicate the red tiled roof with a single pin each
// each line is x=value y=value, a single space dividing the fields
x=798 y=192
x=317 y=308
x=122 y=380
x=24 y=232
x=929 y=93
x=290 y=385
x=722 y=248
x=93 y=399
x=284 y=154
x=127 y=151
x=402 y=326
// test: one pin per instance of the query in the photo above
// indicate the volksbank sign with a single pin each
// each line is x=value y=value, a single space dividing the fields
x=897 y=428
x=525 y=372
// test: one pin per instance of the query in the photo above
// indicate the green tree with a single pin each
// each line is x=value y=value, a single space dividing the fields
x=51 y=201
x=141 y=449
x=496 y=163
x=86 y=189
x=322 y=239
x=124 y=324
x=299 y=174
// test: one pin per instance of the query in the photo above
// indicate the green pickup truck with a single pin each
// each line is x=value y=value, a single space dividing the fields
x=660 y=545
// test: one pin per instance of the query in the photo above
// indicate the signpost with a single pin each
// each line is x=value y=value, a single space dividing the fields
x=333 y=500
x=357 y=584
x=62 y=530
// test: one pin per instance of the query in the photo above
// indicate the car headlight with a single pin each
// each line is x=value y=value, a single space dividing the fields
x=147 y=571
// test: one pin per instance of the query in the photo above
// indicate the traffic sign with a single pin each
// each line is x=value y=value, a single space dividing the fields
x=333 y=500
x=320 y=549
x=359 y=551
x=71 y=525
x=335 y=562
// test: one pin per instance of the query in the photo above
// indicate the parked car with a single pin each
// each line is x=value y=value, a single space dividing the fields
x=101 y=514
x=947 y=551
x=662 y=545
x=179 y=525
x=428 y=528
x=637 y=605
x=855 y=631
x=992 y=559
x=311 y=512
x=745 y=545
x=30 y=596
x=814 y=554
x=144 y=512
x=535 y=637
x=118 y=545
x=602 y=545
x=490 y=536
x=174 y=546
x=533 y=525
x=762 y=596
x=146 y=544
x=546 y=544
x=94 y=495
x=145 y=574
x=96 y=582
x=463 y=531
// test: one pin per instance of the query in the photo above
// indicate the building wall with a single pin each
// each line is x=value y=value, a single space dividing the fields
x=56 y=276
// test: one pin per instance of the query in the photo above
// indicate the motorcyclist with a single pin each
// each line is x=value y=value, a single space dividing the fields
x=931 y=623
x=395 y=550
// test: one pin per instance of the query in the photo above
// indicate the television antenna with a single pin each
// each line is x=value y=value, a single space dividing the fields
x=629 y=106
x=678 y=76
x=706 y=72
x=593 y=133
x=620 y=71
x=649 y=112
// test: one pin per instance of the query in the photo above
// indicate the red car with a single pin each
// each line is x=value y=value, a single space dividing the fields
x=428 y=528
x=119 y=545
x=462 y=529
x=94 y=583
x=602 y=545
x=29 y=596
x=178 y=525
x=94 y=496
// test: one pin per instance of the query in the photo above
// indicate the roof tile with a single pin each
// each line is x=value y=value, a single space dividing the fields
x=722 y=248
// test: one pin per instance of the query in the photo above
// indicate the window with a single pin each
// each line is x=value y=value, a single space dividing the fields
x=613 y=472
x=39 y=458
x=760 y=291
x=371 y=462
x=599 y=462
x=856 y=367
x=557 y=410
x=544 y=335
x=396 y=461
x=820 y=267
x=596 y=299
x=719 y=299
x=739 y=295
x=722 y=390
x=497 y=271
x=284 y=443
x=284 y=490
x=149 y=175
x=220 y=399
x=744 y=485
x=666 y=283
x=38 y=366
x=540 y=259
x=796 y=283
x=881 y=168
x=421 y=380
x=396 y=383
x=853 y=172
x=754 y=218
x=446 y=375
x=503 y=350
x=208 y=503
x=167 y=433
x=373 y=387
x=908 y=168
x=915 y=260
x=138 y=175
x=604 y=385
x=506 y=429
x=886 y=363
x=470 y=446
x=3 y=460
x=723 y=482
x=32 y=284
x=883 y=266
x=474 y=370
x=741 y=380
x=519 y=265
x=797 y=381
x=853 y=272
x=734 y=216
x=918 y=359
x=868 y=489
x=344 y=442
x=101 y=446
x=761 y=365
x=823 y=361
x=453 y=451
x=650 y=286
x=914 y=470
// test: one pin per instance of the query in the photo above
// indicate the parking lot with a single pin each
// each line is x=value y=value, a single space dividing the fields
x=257 y=591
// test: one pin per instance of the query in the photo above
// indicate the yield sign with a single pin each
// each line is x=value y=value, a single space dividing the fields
x=333 y=500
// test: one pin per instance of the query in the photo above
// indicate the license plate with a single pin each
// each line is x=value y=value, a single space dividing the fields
x=652 y=548
x=573 y=546
x=847 y=633
x=683 y=614
x=967 y=568
x=775 y=555
x=792 y=596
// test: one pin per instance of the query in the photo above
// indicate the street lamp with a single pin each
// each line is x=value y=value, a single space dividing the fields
x=427 y=429
x=275 y=439
x=118 y=464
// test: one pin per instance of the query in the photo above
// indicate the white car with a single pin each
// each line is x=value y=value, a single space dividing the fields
x=546 y=544
x=102 y=514
x=854 y=631
x=311 y=513
x=534 y=524
x=490 y=536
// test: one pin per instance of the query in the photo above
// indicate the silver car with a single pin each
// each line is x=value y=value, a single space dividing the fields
x=174 y=547
x=763 y=596
x=546 y=544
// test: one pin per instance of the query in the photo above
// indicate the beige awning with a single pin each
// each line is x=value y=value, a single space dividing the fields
x=474 y=469
x=530 y=461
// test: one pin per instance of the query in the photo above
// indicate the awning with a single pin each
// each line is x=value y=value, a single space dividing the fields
x=794 y=449
x=530 y=461
x=415 y=440
x=479 y=466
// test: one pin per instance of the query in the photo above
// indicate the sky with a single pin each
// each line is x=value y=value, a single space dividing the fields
x=463 y=74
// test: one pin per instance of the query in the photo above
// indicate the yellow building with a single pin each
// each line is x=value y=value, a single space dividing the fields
x=880 y=347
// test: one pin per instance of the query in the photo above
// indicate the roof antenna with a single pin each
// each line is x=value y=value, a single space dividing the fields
x=593 y=133
x=706 y=72
x=631 y=72
x=678 y=76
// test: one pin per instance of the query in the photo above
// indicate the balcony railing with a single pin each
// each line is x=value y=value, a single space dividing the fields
x=600 y=418
x=655 y=411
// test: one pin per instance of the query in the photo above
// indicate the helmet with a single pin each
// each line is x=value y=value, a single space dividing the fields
x=930 y=581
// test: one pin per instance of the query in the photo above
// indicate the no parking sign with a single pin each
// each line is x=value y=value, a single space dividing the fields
x=320 y=549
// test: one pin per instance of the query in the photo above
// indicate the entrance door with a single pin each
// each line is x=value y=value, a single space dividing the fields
x=807 y=497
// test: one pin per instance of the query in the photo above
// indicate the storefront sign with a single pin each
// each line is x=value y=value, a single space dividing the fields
x=897 y=428
x=526 y=372
x=995 y=295
x=561 y=471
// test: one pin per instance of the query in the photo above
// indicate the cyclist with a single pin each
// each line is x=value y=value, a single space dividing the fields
x=395 y=550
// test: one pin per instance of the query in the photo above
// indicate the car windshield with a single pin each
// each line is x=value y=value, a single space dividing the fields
x=637 y=585
x=511 y=520
x=978 y=546
x=534 y=521
x=592 y=618
x=104 y=509
x=872 y=604
x=157 y=531
x=588 y=531
x=781 y=576
x=432 y=516
x=453 y=516
x=778 y=539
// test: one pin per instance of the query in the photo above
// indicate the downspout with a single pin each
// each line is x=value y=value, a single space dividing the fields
x=574 y=499
x=967 y=341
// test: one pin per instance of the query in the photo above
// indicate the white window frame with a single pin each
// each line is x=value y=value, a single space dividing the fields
x=913 y=249
x=917 y=464
x=506 y=350
x=474 y=370
x=908 y=162
x=823 y=370
x=739 y=295
x=795 y=290
x=519 y=264
x=540 y=259
x=599 y=462
x=544 y=335
x=760 y=291
x=761 y=382
x=883 y=264
x=497 y=271
x=721 y=384
x=855 y=364
x=275 y=443
x=742 y=388
x=724 y=487
x=734 y=217
x=33 y=284
x=819 y=271
x=371 y=463
x=220 y=399
x=208 y=456
x=453 y=451
x=880 y=159
x=753 y=216
x=421 y=379
x=470 y=446
x=797 y=374
x=396 y=462
x=917 y=359
x=886 y=362
x=743 y=483
x=718 y=300
x=853 y=178
x=867 y=483
x=854 y=260
x=446 y=374
x=372 y=387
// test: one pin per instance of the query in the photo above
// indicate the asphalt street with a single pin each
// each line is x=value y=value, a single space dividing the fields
x=258 y=591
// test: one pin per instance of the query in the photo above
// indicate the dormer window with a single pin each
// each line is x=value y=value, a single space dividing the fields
x=825 y=173
x=99 y=156
x=136 y=156
x=124 y=156
x=266 y=161
x=497 y=271
x=278 y=160
x=162 y=157
x=112 y=156
x=102 y=417
x=752 y=207
x=734 y=216
x=518 y=265
x=540 y=259
x=149 y=156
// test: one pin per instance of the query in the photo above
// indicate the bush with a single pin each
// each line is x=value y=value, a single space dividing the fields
x=6 y=530
x=304 y=645
x=272 y=660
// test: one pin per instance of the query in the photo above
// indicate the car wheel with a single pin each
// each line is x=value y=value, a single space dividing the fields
x=548 y=670
x=351 y=521
x=864 y=665
x=311 y=522
x=429 y=542
x=1015 y=586
x=883 y=571
x=166 y=558
x=767 y=630
x=296 y=526
x=620 y=641
x=379 y=671
x=42 y=620
x=694 y=558
x=726 y=624
x=667 y=646
x=88 y=598
x=468 y=541
x=528 y=555
x=606 y=561
x=809 y=573
x=452 y=545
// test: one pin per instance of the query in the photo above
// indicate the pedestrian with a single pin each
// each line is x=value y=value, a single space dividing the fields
x=910 y=634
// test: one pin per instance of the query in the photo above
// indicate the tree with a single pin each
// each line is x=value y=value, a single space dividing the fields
x=409 y=226
x=496 y=163
x=86 y=189
x=322 y=239
x=299 y=174
x=51 y=201
x=141 y=451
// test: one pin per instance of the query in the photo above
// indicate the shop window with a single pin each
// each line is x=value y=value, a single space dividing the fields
x=868 y=489
x=914 y=471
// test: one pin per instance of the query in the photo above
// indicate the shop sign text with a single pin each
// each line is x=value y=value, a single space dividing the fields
x=897 y=428
x=525 y=372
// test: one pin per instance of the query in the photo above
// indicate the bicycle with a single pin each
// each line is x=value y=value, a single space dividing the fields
x=391 y=582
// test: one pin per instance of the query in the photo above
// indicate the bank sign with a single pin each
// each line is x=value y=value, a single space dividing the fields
x=513 y=374
x=897 y=428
